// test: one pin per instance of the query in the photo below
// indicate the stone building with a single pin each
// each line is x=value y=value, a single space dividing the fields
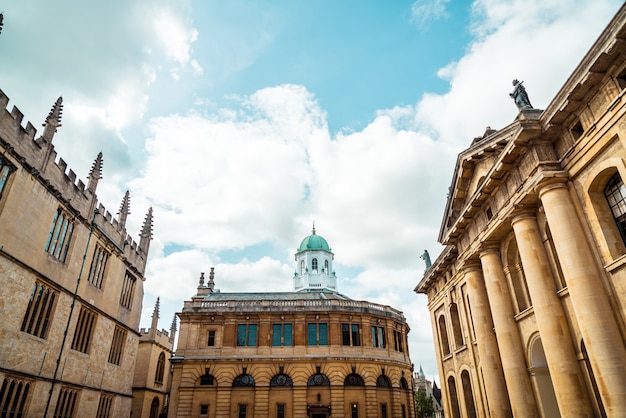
x=71 y=282
x=422 y=384
x=306 y=353
x=528 y=297
x=152 y=378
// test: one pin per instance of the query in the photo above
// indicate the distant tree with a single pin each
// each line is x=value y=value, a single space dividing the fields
x=424 y=405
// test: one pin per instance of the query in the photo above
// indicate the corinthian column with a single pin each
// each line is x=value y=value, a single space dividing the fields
x=490 y=363
x=551 y=321
x=511 y=350
x=590 y=300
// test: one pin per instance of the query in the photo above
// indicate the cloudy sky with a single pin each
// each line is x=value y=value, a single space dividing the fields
x=242 y=122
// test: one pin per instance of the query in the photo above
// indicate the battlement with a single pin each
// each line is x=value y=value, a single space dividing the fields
x=38 y=157
x=161 y=337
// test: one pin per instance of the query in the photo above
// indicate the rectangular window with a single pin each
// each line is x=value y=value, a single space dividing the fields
x=117 y=345
x=317 y=334
x=378 y=337
x=13 y=397
x=104 y=406
x=211 y=342
x=84 y=330
x=383 y=410
x=242 y=410
x=350 y=334
x=128 y=291
x=282 y=335
x=66 y=403
x=397 y=341
x=98 y=263
x=246 y=335
x=39 y=311
x=354 y=408
x=280 y=410
x=403 y=411
x=204 y=409
x=5 y=170
x=60 y=235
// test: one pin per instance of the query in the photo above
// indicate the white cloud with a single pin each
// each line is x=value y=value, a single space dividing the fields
x=423 y=12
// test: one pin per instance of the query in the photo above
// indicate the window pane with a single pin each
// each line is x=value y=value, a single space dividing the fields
x=312 y=334
x=276 y=334
x=345 y=334
x=323 y=334
x=356 y=338
x=252 y=335
x=287 y=338
x=241 y=335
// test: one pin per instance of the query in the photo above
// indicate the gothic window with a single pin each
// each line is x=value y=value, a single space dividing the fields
x=317 y=334
x=282 y=335
x=615 y=193
x=66 y=403
x=243 y=380
x=128 y=291
x=154 y=408
x=98 y=263
x=353 y=379
x=443 y=335
x=104 y=406
x=117 y=345
x=39 y=311
x=378 y=337
x=5 y=170
x=60 y=234
x=84 y=330
x=314 y=264
x=383 y=381
x=281 y=379
x=13 y=397
x=246 y=335
x=351 y=334
x=160 y=370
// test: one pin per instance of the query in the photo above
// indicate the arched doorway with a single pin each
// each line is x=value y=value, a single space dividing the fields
x=154 y=408
x=540 y=375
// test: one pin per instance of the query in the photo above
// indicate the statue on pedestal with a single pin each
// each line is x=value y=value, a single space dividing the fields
x=520 y=96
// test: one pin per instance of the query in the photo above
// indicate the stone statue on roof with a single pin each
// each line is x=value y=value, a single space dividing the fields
x=520 y=96
x=426 y=258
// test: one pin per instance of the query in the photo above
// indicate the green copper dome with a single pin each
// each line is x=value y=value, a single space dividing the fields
x=314 y=242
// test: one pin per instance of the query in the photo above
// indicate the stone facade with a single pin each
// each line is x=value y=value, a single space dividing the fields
x=152 y=378
x=528 y=297
x=308 y=353
x=71 y=282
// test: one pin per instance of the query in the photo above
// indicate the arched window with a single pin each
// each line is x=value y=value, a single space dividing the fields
x=456 y=326
x=403 y=384
x=326 y=266
x=154 y=408
x=468 y=394
x=314 y=264
x=383 y=381
x=302 y=266
x=160 y=370
x=454 y=400
x=443 y=335
x=353 y=379
x=615 y=194
x=243 y=380
x=281 y=379
x=318 y=379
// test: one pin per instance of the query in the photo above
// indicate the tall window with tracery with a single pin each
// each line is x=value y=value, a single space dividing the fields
x=128 y=291
x=39 y=311
x=98 y=264
x=60 y=235
x=160 y=370
x=13 y=397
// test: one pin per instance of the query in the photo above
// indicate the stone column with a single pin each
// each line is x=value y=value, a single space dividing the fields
x=590 y=300
x=551 y=320
x=511 y=350
x=490 y=363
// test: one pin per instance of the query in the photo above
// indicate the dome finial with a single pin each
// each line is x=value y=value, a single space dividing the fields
x=313 y=227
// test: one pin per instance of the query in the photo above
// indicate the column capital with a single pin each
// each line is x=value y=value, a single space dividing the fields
x=551 y=181
x=471 y=264
x=524 y=213
x=489 y=247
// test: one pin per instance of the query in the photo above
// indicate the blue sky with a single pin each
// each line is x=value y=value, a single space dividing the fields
x=242 y=122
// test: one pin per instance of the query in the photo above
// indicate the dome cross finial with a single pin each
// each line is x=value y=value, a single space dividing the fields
x=313 y=227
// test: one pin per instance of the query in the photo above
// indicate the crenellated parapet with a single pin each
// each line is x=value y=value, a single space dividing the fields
x=37 y=156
